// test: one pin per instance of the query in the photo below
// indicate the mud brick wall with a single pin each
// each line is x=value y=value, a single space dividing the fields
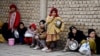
x=84 y=14
x=29 y=10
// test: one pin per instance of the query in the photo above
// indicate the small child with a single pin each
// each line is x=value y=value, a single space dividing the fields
x=41 y=36
x=29 y=35
x=21 y=30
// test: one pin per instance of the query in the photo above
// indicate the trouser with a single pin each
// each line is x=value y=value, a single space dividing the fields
x=41 y=42
x=52 y=44
x=21 y=40
x=28 y=40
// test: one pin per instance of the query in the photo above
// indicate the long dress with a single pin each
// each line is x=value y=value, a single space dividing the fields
x=52 y=30
x=13 y=23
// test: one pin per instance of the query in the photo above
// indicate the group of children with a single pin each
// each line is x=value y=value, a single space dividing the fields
x=33 y=35
x=46 y=35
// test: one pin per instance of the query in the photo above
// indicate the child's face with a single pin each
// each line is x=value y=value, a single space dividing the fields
x=21 y=26
x=74 y=31
x=92 y=34
x=53 y=13
x=42 y=25
x=12 y=9
x=32 y=29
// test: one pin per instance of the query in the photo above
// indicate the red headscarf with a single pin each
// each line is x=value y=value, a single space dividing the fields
x=33 y=26
x=54 y=9
x=13 y=6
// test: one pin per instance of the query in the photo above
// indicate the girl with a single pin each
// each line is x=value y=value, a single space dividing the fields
x=30 y=34
x=94 y=41
x=74 y=34
x=53 y=29
x=13 y=21
x=21 y=30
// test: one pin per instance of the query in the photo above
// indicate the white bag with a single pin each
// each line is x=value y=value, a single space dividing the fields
x=16 y=34
x=28 y=34
x=85 y=49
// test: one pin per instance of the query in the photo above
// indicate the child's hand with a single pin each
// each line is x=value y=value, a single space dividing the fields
x=36 y=37
x=52 y=17
x=72 y=39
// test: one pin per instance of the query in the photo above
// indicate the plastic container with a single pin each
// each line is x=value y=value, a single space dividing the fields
x=11 y=41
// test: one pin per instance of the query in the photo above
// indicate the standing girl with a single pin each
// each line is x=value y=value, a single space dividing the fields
x=13 y=21
x=54 y=26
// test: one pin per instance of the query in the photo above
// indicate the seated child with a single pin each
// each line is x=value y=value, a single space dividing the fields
x=41 y=38
x=74 y=34
x=21 y=30
x=30 y=34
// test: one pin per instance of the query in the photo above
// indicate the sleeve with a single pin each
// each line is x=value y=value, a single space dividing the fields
x=58 y=30
x=83 y=35
x=70 y=36
x=17 y=20
x=48 y=20
x=43 y=35
x=25 y=29
x=38 y=30
x=62 y=26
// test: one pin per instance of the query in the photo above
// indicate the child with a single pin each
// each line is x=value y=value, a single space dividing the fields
x=29 y=35
x=13 y=21
x=41 y=38
x=94 y=41
x=74 y=34
x=21 y=30
x=53 y=29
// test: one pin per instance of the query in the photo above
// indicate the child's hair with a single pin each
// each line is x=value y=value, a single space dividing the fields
x=72 y=27
x=20 y=24
x=43 y=21
x=33 y=26
x=44 y=29
x=56 y=11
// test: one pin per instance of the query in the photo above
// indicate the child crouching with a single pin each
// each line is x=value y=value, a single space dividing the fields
x=41 y=36
x=30 y=34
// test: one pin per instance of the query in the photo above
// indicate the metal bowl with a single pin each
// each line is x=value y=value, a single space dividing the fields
x=58 y=23
x=73 y=45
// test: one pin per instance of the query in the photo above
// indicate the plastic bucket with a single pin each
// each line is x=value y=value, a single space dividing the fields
x=11 y=41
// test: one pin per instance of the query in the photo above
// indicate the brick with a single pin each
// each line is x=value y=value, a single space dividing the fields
x=81 y=13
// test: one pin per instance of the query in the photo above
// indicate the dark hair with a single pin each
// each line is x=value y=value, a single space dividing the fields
x=90 y=30
x=20 y=24
x=43 y=21
x=72 y=27
x=44 y=28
